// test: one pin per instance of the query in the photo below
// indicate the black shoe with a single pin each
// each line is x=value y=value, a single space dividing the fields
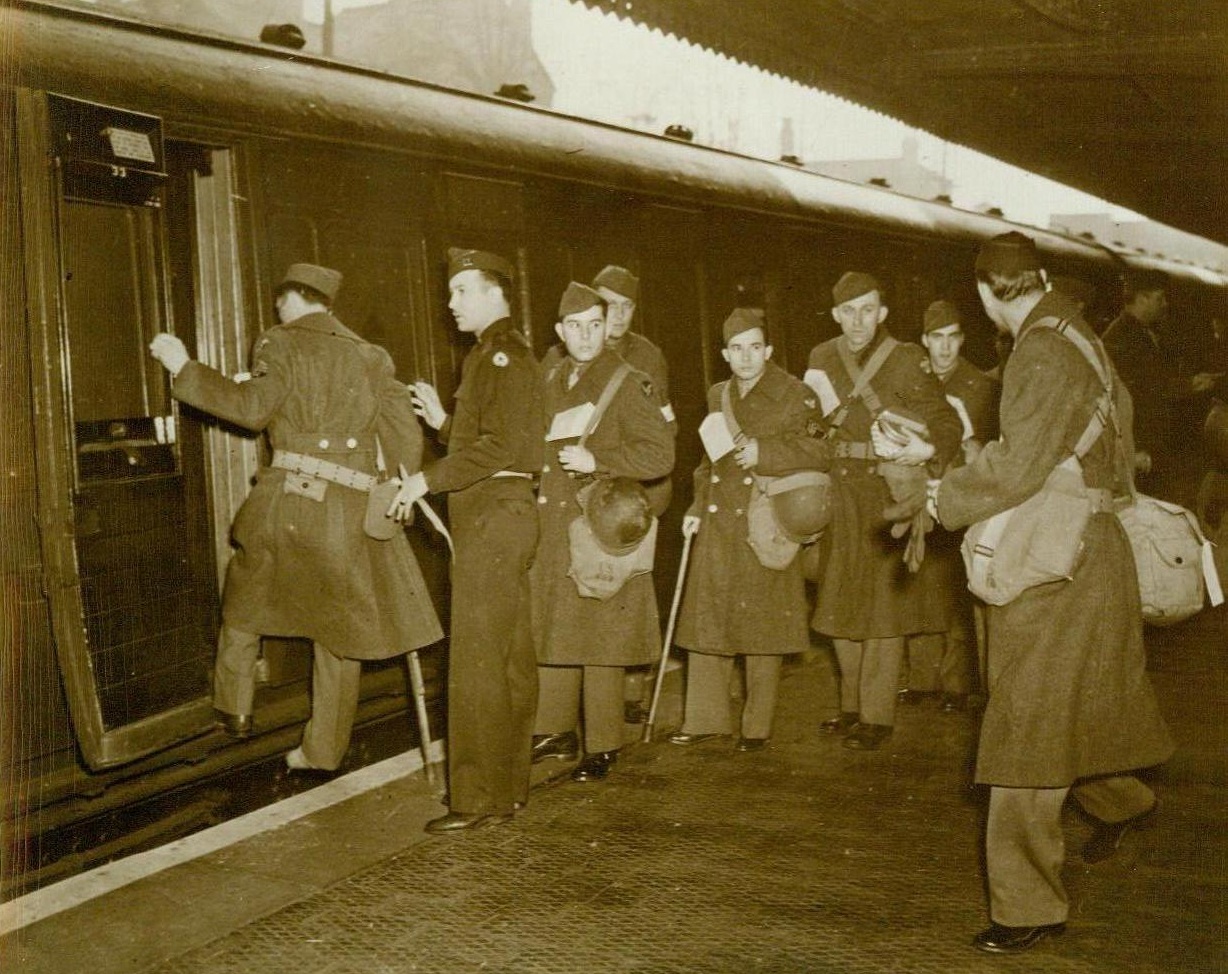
x=635 y=712
x=686 y=739
x=867 y=737
x=751 y=744
x=914 y=697
x=1107 y=836
x=954 y=703
x=565 y=747
x=1014 y=940
x=459 y=821
x=842 y=723
x=238 y=726
x=595 y=766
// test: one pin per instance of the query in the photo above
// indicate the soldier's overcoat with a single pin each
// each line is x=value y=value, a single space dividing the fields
x=732 y=603
x=305 y=567
x=1069 y=696
x=867 y=591
x=631 y=440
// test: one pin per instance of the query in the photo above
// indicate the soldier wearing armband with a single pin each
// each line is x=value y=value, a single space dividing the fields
x=603 y=424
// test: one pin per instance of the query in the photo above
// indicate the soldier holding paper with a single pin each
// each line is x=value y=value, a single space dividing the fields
x=762 y=423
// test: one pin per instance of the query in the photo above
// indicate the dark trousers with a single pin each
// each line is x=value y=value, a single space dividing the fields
x=492 y=670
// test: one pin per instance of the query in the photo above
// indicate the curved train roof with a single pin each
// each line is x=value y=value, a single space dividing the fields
x=232 y=84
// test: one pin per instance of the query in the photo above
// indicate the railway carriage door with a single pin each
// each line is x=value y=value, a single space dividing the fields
x=131 y=569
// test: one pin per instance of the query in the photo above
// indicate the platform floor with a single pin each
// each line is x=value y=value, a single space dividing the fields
x=803 y=858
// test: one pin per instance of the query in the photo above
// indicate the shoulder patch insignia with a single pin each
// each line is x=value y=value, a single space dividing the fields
x=810 y=402
x=500 y=359
x=813 y=429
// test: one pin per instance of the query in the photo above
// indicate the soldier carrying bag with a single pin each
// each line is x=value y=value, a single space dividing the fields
x=1041 y=540
x=615 y=538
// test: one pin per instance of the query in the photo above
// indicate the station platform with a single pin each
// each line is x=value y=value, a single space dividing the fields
x=806 y=857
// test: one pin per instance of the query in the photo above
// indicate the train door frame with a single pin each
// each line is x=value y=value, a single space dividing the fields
x=104 y=742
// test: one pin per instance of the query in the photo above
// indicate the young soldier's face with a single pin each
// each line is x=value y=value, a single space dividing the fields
x=747 y=354
x=943 y=344
x=619 y=312
x=473 y=301
x=583 y=333
x=859 y=318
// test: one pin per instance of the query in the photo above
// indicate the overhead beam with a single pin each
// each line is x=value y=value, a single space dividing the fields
x=1186 y=57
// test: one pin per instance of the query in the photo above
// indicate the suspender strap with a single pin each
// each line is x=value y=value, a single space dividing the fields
x=735 y=428
x=603 y=403
x=861 y=378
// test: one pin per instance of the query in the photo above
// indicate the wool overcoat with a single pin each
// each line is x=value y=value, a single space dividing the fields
x=631 y=440
x=305 y=567
x=1069 y=696
x=867 y=591
x=732 y=603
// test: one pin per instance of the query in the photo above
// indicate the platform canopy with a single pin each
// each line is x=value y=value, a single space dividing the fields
x=1125 y=99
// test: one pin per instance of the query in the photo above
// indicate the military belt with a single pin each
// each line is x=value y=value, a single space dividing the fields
x=855 y=451
x=323 y=470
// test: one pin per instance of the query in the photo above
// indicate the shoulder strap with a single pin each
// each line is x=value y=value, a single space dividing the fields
x=735 y=428
x=603 y=403
x=861 y=378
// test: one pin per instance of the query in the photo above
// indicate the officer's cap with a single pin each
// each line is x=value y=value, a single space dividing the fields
x=620 y=281
x=939 y=315
x=853 y=284
x=476 y=260
x=325 y=280
x=1008 y=255
x=577 y=298
x=740 y=320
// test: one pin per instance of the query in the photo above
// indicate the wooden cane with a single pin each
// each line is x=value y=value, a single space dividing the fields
x=424 y=726
x=669 y=638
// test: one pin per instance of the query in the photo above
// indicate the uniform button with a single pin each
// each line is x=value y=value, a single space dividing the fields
x=546 y=468
x=562 y=503
x=543 y=500
x=324 y=444
x=712 y=508
x=351 y=443
x=716 y=479
x=748 y=480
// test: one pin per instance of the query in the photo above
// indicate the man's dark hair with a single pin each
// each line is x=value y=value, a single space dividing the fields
x=1134 y=283
x=1007 y=287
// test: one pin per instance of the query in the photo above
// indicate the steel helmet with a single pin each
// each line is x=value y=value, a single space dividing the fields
x=618 y=513
x=802 y=504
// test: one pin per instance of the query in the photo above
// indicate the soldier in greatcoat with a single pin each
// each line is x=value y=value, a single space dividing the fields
x=734 y=605
x=302 y=565
x=494 y=449
x=620 y=289
x=583 y=643
x=942 y=663
x=1071 y=709
x=868 y=601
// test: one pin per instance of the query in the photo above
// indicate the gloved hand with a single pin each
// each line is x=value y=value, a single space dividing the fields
x=907 y=487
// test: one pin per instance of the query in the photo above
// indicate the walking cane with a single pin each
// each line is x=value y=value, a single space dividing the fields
x=424 y=726
x=669 y=638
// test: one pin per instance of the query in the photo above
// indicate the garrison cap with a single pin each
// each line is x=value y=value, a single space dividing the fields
x=939 y=315
x=476 y=260
x=620 y=281
x=322 y=279
x=1075 y=288
x=740 y=320
x=578 y=297
x=853 y=284
x=1008 y=254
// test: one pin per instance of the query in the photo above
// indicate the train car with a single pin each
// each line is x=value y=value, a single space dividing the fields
x=160 y=180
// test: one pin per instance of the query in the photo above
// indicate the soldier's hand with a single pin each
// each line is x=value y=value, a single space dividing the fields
x=901 y=445
x=170 y=351
x=747 y=455
x=413 y=487
x=577 y=459
x=690 y=525
x=427 y=404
